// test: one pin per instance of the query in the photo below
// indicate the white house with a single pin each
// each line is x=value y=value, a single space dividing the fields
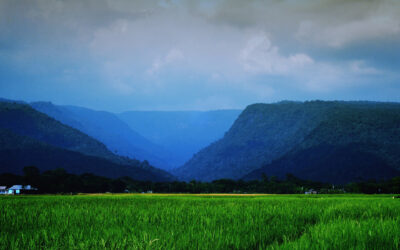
x=17 y=189
x=3 y=189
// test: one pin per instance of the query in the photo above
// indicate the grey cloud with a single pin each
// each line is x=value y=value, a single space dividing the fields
x=115 y=44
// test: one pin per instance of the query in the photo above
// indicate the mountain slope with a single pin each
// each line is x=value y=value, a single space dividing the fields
x=356 y=141
x=330 y=164
x=109 y=129
x=311 y=135
x=29 y=136
x=25 y=151
x=261 y=133
x=23 y=120
x=183 y=133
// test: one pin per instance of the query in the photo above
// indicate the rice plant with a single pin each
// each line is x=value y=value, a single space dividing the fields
x=200 y=222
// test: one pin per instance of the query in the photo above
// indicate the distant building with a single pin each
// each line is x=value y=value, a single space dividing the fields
x=311 y=191
x=18 y=189
x=29 y=187
x=3 y=189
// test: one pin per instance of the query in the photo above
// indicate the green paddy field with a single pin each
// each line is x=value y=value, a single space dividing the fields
x=200 y=222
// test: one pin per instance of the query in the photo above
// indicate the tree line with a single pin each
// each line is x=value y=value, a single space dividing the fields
x=60 y=181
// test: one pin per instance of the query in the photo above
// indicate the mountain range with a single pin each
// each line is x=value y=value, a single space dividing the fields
x=29 y=137
x=164 y=139
x=108 y=129
x=336 y=142
x=328 y=141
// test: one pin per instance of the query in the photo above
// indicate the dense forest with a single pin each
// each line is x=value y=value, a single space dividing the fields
x=329 y=141
x=60 y=181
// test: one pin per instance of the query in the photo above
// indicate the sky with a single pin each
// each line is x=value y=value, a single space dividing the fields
x=120 y=55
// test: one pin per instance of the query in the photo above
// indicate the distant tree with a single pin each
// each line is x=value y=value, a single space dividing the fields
x=31 y=175
x=8 y=179
x=145 y=164
x=395 y=185
x=264 y=178
x=117 y=186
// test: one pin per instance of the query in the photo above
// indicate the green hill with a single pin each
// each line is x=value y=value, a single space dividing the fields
x=29 y=137
x=356 y=141
x=108 y=129
x=329 y=141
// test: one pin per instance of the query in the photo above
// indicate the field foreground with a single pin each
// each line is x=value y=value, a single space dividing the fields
x=200 y=222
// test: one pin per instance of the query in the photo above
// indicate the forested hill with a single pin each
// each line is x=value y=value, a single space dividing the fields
x=356 y=141
x=30 y=137
x=108 y=129
x=23 y=120
x=324 y=141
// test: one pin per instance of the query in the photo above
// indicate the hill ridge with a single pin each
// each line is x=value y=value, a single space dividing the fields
x=266 y=132
x=22 y=124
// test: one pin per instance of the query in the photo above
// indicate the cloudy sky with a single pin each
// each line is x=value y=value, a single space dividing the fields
x=121 y=55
